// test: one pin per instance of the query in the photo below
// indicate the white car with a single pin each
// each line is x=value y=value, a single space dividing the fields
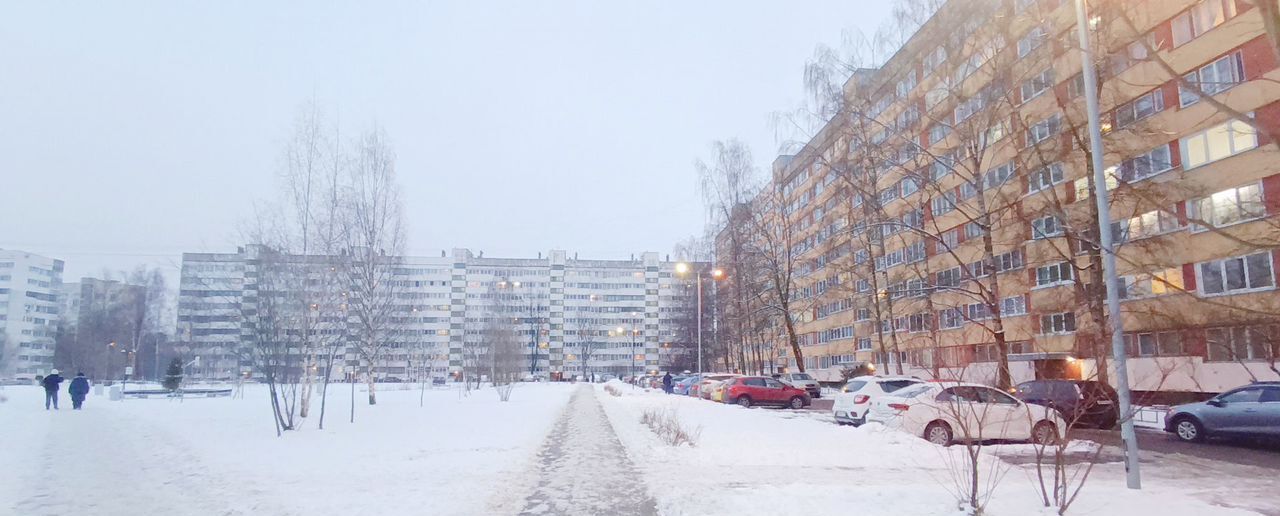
x=946 y=412
x=855 y=398
x=802 y=381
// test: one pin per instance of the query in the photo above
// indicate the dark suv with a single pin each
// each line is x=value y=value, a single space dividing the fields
x=1081 y=402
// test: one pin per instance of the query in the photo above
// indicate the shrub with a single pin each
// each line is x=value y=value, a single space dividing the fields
x=668 y=427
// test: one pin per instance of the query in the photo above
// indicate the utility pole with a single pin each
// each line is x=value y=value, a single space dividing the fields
x=1107 y=243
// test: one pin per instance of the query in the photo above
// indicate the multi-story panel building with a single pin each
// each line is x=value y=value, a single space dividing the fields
x=942 y=223
x=578 y=317
x=29 y=313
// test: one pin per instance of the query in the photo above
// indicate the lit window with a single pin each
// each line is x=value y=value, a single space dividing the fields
x=1217 y=142
x=1199 y=19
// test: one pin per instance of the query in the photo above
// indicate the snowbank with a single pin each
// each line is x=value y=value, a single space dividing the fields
x=766 y=461
x=456 y=455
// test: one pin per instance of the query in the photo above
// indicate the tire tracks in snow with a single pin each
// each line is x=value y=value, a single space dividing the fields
x=583 y=468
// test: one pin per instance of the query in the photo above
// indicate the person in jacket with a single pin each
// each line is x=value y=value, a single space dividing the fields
x=78 y=389
x=51 y=384
x=666 y=382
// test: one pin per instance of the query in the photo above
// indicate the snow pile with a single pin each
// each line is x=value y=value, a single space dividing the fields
x=457 y=454
x=767 y=461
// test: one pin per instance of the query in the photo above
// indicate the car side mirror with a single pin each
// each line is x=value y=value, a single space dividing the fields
x=1216 y=403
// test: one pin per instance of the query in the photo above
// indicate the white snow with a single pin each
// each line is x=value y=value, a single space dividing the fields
x=455 y=455
x=766 y=461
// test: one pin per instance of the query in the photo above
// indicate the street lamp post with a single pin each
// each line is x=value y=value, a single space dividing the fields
x=716 y=274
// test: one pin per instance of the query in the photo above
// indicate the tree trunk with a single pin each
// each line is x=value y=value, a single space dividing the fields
x=373 y=400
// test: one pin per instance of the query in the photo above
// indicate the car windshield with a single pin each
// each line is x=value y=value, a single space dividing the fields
x=801 y=376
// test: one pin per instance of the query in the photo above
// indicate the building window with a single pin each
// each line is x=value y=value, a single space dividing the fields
x=863 y=285
x=948 y=278
x=1015 y=305
x=1201 y=18
x=1084 y=191
x=1044 y=129
x=907 y=84
x=1157 y=283
x=996 y=177
x=1075 y=86
x=1217 y=142
x=864 y=314
x=889 y=194
x=1045 y=178
x=1044 y=227
x=1213 y=78
x=1154 y=344
x=950 y=318
x=1034 y=38
x=864 y=344
x=1149 y=224
x=1055 y=274
x=1142 y=107
x=950 y=238
x=1064 y=322
x=1236 y=274
x=914 y=252
x=1230 y=206
x=1008 y=261
x=944 y=203
x=1153 y=162
x=1040 y=83
x=937 y=133
x=1242 y=343
x=933 y=60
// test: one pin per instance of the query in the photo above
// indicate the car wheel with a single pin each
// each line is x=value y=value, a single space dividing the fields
x=1044 y=434
x=744 y=402
x=1188 y=429
x=938 y=433
x=797 y=403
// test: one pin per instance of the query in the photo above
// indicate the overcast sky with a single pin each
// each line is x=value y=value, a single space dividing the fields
x=131 y=132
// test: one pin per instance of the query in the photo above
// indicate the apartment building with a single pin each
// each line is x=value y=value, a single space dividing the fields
x=947 y=211
x=577 y=316
x=29 y=313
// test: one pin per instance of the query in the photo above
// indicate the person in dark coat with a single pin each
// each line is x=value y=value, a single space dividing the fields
x=666 y=382
x=78 y=389
x=51 y=384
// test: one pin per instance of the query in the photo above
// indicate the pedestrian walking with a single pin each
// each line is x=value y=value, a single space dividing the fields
x=78 y=389
x=51 y=384
x=666 y=382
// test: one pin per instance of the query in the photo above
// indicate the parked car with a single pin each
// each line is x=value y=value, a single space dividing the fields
x=1249 y=411
x=802 y=381
x=946 y=412
x=1081 y=402
x=708 y=383
x=682 y=385
x=746 y=391
x=854 y=399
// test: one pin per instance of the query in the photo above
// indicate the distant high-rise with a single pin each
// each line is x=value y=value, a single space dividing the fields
x=29 y=313
x=567 y=312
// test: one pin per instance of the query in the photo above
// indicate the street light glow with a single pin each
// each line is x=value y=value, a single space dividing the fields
x=717 y=273
x=682 y=268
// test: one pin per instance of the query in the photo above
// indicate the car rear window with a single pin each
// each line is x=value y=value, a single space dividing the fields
x=754 y=382
x=1033 y=389
x=801 y=376
x=854 y=385
x=895 y=385
x=912 y=391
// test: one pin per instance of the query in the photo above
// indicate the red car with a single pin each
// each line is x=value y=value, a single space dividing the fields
x=762 y=390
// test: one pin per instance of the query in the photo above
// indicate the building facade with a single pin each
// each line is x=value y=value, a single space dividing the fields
x=941 y=224
x=573 y=317
x=29 y=313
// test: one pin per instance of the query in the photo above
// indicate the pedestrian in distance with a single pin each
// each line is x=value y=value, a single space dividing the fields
x=78 y=389
x=51 y=384
x=666 y=382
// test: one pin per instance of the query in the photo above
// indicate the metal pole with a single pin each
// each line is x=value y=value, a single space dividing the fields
x=699 y=280
x=1106 y=242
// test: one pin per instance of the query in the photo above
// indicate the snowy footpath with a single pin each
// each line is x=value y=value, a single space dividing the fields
x=583 y=468
x=456 y=454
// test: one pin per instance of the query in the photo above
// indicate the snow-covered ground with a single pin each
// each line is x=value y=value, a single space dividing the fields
x=456 y=455
x=767 y=461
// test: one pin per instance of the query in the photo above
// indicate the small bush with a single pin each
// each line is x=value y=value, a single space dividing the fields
x=613 y=391
x=668 y=427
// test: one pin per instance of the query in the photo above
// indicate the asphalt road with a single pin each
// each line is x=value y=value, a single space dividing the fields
x=1248 y=452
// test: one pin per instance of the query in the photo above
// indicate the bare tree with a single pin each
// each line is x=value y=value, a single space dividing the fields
x=374 y=234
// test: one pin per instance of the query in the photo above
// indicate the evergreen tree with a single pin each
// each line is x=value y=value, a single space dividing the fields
x=173 y=376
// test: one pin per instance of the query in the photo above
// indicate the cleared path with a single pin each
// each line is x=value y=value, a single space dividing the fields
x=583 y=468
